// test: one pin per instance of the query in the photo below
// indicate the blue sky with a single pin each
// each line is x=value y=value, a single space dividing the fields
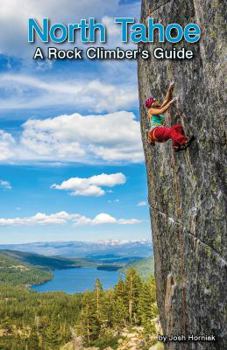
x=71 y=160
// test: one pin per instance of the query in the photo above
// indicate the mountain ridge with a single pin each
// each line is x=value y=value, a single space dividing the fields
x=82 y=249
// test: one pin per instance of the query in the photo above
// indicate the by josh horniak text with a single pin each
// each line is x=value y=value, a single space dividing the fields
x=187 y=338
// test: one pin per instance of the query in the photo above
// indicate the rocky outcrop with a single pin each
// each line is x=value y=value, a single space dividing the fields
x=187 y=190
x=132 y=339
x=129 y=339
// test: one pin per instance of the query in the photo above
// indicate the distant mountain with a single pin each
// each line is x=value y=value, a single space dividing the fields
x=51 y=263
x=78 y=249
x=105 y=262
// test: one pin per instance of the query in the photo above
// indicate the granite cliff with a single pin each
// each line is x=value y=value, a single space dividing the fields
x=187 y=190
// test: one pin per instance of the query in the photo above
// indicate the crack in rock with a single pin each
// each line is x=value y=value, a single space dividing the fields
x=186 y=230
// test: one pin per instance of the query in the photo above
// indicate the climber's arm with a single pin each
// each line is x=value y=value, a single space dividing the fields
x=161 y=110
x=169 y=95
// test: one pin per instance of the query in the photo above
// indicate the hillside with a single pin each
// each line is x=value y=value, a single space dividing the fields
x=45 y=261
x=101 y=262
x=187 y=190
x=144 y=267
x=24 y=268
x=16 y=272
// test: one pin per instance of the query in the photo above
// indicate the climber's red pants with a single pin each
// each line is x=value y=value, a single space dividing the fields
x=175 y=133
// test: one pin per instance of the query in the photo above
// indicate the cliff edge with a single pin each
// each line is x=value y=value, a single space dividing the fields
x=187 y=190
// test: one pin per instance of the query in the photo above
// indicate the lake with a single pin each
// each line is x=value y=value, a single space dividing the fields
x=78 y=280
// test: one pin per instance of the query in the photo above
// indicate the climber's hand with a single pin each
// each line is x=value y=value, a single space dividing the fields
x=149 y=14
x=175 y=99
x=171 y=85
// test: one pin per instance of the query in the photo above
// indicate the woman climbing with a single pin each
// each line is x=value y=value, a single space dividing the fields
x=158 y=131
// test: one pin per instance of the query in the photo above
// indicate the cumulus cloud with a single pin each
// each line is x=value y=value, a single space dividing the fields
x=63 y=217
x=28 y=92
x=110 y=139
x=67 y=11
x=110 y=92
x=104 y=218
x=7 y=146
x=5 y=185
x=91 y=186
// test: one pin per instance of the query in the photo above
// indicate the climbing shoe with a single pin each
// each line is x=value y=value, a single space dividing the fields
x=185 y=146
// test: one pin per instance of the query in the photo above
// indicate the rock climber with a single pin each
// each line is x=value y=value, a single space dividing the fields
x=158 y=132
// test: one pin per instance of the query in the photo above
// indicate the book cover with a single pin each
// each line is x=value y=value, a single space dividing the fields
x=112 y=175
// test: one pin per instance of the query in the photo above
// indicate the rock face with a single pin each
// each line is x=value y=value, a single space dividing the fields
x=187 y=190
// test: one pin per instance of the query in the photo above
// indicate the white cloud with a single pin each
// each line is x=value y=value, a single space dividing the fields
x=91 y=186
x=115 y=89
x=66 y=11
x=142 y=204
x=5 y=185
x=63 y=217
x=27 y=92
x=7 y=146
x=110 y=138
x=128 y=221
x=104 y=218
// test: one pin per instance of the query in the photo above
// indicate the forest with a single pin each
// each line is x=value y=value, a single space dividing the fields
x=46 y=321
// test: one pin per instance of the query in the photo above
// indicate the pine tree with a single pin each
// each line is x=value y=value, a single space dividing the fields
x=133 y=284
x=98 y=299
x=120 y=290
x=88 y=325
x=107 y=308
x=147 y=305
x=52 y=335
x=119 y=313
